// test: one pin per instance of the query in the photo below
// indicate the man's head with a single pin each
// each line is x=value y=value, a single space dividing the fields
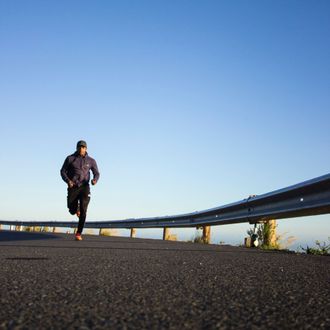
x=82 y=147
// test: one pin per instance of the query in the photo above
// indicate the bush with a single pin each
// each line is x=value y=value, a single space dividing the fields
x=320 y=249
x=198 y=239
x=263 y=231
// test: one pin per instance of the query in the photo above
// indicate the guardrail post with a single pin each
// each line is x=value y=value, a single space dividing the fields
x=133 y=232
x=166 y=233
x=206 y=234
x=270 y=238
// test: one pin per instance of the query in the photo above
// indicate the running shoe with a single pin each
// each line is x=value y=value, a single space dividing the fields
x=78 y=237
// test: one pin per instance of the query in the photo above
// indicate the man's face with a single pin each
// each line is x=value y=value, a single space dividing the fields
x=82 y=151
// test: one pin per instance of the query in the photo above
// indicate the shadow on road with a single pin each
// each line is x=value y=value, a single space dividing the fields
x=24 y=236
x=27 y=258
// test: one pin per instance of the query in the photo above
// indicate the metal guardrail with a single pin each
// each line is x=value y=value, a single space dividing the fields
x=307 y=198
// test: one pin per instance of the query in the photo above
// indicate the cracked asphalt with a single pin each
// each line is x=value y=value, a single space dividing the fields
x=50 y=281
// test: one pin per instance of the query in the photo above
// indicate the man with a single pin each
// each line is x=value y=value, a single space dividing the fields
x=76 y=173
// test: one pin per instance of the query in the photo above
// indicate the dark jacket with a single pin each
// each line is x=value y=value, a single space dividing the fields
x=76 y=168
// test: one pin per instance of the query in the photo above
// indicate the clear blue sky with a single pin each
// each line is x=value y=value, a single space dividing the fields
x=185 y=105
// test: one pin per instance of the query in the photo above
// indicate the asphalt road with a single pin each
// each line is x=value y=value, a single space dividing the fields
x=50 y=281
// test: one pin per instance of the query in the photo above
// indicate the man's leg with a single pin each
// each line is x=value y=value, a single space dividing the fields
x=72 y=199
x=84 y=201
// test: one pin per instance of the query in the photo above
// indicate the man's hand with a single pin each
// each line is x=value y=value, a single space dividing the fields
x=70 y=184
x=93 y=182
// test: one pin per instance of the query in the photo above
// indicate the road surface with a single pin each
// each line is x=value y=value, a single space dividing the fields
x=51 y=281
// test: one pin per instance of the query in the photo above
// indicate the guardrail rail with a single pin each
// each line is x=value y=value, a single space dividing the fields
x=311 y=197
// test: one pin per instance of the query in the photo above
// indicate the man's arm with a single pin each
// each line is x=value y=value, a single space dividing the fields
x=96 y=173
x=64 y=172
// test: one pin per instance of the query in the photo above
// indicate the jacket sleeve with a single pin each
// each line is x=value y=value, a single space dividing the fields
x=64 y=170
x=95 y=170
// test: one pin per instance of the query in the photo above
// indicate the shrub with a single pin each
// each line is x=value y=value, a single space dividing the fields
x=320 y=249
x=263 y=231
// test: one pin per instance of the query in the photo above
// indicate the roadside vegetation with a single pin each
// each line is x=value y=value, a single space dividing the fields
x=37 y=229
x=263 y=234
x=322 y=249
x=198 y=238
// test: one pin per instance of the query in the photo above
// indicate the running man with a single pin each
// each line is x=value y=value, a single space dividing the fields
x=76 y=173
